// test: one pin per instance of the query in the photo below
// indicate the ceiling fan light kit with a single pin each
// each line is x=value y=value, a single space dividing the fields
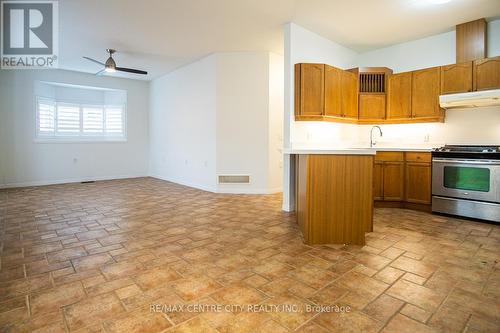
x=110 y=65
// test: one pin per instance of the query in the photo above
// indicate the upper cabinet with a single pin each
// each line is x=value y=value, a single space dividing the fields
x=456 y=78
x=399 y=96
x=349 y=94
x=309 y=91
x=487 y=73
x=376 y=96
x=333 y=96
x=425 y=94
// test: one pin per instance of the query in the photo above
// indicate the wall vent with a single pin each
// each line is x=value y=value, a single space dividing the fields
x=234 y=179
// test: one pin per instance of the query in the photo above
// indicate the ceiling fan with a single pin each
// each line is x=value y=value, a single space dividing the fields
x=110 y=65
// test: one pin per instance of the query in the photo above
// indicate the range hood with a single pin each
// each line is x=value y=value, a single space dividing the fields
x=470 y=100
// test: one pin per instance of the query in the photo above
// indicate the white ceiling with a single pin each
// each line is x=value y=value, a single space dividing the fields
x=161 y=35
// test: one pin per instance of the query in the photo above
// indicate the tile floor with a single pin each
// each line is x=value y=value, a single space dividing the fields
x=139 y=255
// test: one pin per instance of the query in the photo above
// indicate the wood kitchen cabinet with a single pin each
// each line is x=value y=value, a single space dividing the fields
x=486 y=74
x=333 y=95
x=399 y=96
x=389 y=176
x=403 y=177
x=371 y=107
x=309 y=91
x=349 y=94
x=456 y=78
x=418 y=177
x=425 y=94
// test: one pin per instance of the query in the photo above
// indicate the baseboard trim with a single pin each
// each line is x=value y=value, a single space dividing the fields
x=184 y=183
x=215 y=189
x=66 y=181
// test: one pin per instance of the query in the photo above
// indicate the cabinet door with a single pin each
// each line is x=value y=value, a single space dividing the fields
x=399 y=96
x=393 y=180
x=487 y=73
x=425 y=93
x=332 y=91
x=456 y=78
x=372 y=106
x=309 y=86
x=349 y=94
x=418 y=182
x=378 y=178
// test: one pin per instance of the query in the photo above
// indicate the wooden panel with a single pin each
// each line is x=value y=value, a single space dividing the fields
x=418 y=183
x=378 y=178
x=418 y=157
x=339 y=199
x=301 y=193
x=332 y=91
x=471 y=41
x=311 y=91
x=399 y=96
x=487 y=74
x=398 y=156
x=456 y=78
x=349 y=94
x=425 y=93
x=393 y=181
x=372 y=106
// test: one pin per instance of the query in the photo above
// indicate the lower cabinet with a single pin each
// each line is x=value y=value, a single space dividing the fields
x=418 y=183
x=402 y=177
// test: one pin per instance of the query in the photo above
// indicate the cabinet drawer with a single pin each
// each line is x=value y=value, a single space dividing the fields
x=389 y=156
x=418 y=157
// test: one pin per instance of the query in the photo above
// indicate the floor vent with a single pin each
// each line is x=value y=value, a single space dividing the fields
x=234 y=179
x=88 y=182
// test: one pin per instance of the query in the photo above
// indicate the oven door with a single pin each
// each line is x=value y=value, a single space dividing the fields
x=466 y=179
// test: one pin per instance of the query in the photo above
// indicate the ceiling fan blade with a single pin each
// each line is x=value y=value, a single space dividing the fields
x=93 y=60
x=130 y=70
x=101 y=72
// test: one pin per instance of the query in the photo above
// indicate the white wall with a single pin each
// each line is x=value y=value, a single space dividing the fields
x=183 y=125
x=24 y=162
x=212 y=118
x=302 y=45
x=276 y=105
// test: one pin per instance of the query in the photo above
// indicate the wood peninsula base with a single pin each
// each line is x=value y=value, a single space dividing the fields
x=334 y=197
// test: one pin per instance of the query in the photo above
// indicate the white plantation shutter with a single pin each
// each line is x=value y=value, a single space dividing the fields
x=114 y=120
x=46 y=117
x=62 y=121
x=68 y=119
x=93 y=119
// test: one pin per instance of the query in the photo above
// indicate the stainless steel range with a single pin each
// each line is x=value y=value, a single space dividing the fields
x=466 y=181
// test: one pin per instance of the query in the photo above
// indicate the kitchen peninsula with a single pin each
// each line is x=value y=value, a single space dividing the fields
x=334 y=194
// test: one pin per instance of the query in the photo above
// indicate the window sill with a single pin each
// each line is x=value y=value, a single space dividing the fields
x=80 y=140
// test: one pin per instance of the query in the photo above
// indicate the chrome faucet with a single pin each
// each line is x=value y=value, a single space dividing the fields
x=373 y=143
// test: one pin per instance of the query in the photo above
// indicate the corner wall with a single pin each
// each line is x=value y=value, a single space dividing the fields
x=24 y=162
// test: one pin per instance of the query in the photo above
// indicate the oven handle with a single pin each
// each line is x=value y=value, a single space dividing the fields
x=453 y=161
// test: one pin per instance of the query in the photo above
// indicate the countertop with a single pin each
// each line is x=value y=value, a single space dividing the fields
x=352 y=151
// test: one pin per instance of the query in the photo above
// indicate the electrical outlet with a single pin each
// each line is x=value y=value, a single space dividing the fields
x=426 y=137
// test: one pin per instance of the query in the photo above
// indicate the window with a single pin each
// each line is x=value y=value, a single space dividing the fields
x=63 y=121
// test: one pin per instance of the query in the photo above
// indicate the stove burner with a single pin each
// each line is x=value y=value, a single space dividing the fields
x=469 y=152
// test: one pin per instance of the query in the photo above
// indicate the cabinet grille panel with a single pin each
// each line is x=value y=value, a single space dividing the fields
x=372 y=82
